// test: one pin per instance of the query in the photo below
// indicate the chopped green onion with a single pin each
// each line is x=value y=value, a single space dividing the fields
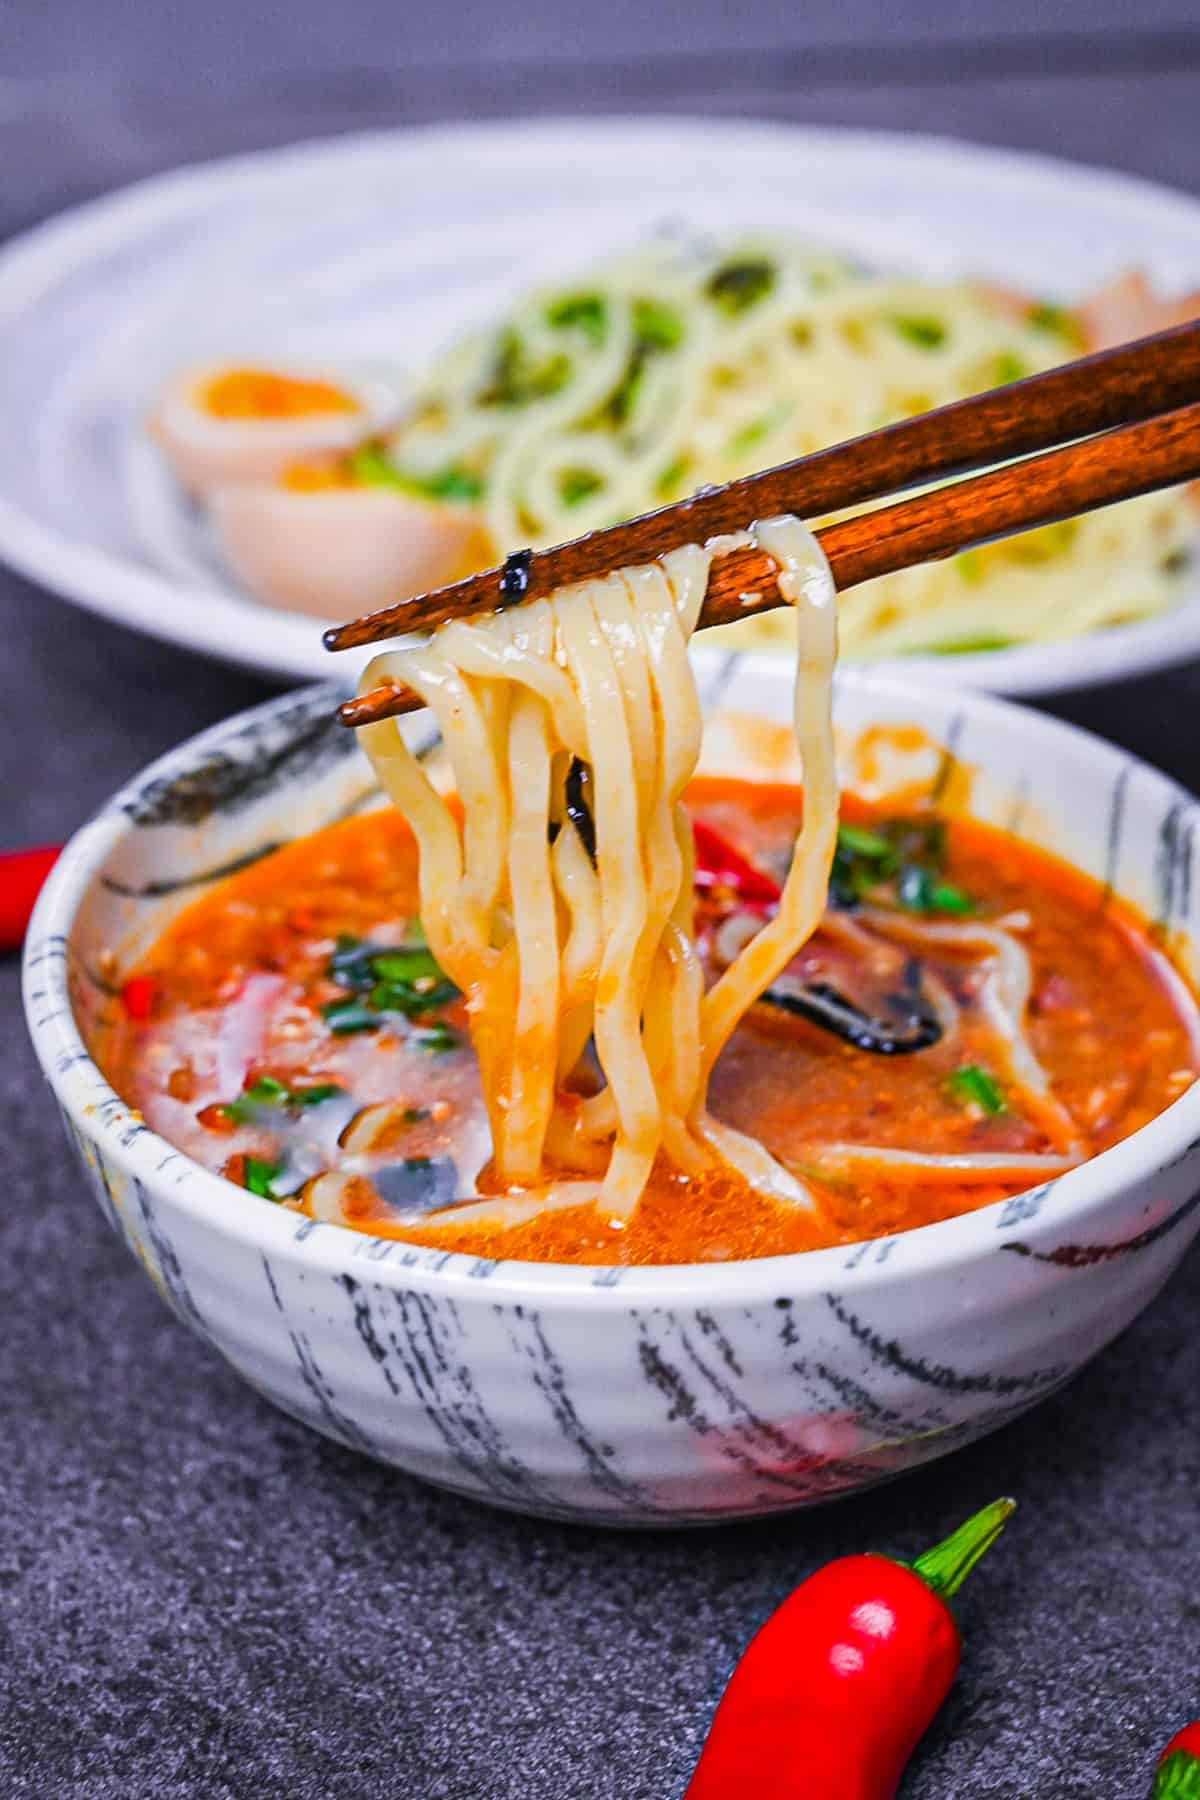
x=656 y=326
x=1043 y=315
x=973 y=1086
x=866 y=857
x=346 y=1016
x=740 y=285
x=371 y=465
x=971 y=646
x=625 y=395
x=436 y=1039
x=260 y=1175
x=404 y=964
x=925 y=333
x=453 y=483
x=516 y=379
x=671 y=478
x=1006 y=367
x=547 y=378
x=862 y=842
x=405 y=979
x=588 y=311
x=945 y=898
x=575 y=485
x=359 y=965
x=749 y=435
x=317 y=1094
x=266 y=1091
x=404 y=997
x=917 y=891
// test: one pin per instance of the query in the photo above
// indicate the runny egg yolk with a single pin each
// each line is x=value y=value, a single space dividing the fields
x=260 y=394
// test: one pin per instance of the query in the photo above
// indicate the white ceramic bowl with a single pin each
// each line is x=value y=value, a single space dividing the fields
x=632 y=1396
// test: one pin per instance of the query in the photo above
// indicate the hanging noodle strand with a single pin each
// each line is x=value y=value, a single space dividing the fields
x=555 y=948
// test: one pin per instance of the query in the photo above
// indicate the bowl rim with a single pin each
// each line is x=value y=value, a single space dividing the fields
x=100 y=1116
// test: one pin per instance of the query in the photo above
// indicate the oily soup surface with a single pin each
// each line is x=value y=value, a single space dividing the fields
x=291 y=1032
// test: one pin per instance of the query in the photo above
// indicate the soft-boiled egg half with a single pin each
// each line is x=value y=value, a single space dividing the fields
x=236 y=422
x=323 y=539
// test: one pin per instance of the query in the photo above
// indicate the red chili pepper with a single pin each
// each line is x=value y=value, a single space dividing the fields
x=137 y=996
x=720 y=864
x=22 y=873
x=1178 y=1774
x=833 y=1693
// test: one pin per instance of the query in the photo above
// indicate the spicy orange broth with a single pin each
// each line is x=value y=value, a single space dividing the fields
x=1101 y=1020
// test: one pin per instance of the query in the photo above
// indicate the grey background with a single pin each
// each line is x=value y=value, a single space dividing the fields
x=199 y=1598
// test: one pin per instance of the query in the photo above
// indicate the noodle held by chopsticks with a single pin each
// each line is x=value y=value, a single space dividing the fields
x=554 y=947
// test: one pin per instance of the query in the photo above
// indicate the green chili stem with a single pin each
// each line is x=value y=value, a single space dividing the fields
x=1178 y=1778
x=947 y=1565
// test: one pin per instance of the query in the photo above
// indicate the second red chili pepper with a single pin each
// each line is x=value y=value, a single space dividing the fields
x=834 y=1692
x=22 y=873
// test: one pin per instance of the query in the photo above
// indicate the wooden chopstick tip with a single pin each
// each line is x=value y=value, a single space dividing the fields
x=379 y=703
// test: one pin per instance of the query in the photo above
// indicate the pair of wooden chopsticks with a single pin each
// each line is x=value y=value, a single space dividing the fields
x=1136 y=410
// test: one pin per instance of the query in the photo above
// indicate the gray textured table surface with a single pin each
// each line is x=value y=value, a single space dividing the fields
x=198 y=1597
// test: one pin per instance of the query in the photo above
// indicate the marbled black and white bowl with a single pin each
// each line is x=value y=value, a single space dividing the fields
x=629 y=1396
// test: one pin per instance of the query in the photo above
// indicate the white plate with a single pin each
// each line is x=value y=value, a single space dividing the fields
x=380 y=248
